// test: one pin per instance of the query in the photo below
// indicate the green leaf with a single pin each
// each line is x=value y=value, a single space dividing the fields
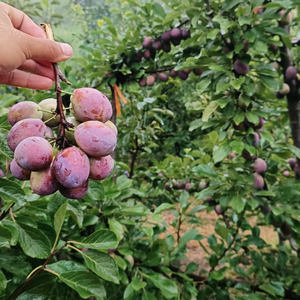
x=137 y=284
x=270 y=83
x=191 y=268
x=76 y=212
x=85 y=283
x=3 y=283
x=11 y=191
x=252 y=118
x=221 y=230
x=59 y=219
x=273 y=288
x=167 y=287
x=221 y=153
x=5 y=236
x=237 y=204
x=158 y=10
x=228 y=4
x=188 y=236
x=294 y=150
x=102 y=239
x=123 y=182
x=203 y=170
x=239 y=117
x=148 y=296
x=4 y=149
x=64 y=266
x=102 y=265
x=197 y=208
x=171 y=16
x=183 y=199
x=237 y=146
x=224 y=23
x=238 y=82
x=116 y=227
x=163 y=207
x=203 y=84
x=33 y=241
x=210 y=108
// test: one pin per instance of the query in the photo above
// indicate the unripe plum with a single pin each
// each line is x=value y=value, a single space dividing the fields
x=70 y=134
x=202 y=185
x=166 y=36
x=173 y=73
x=44 y=182
x=248 y=156
x=95 y=138
x=259 y=166
x=218 y=209
x=292 y=162
x=258 y=182
x=150 y=80
x=112 y=126
x=157 y=45
x=166 y=47
x=273 y=47
x=49 y=132
x=187 y=186
x=147 y=54
x=290 y=74
x=143 y=82
x=34 y=154
x=50 y=105
x=1 y=173
x=130 y=259
x=183 y=75
x=198 y=71
x=90 y=104
x=147 y=43
x=163 y=77
x=185 y=33
x=24 y=110
x=167 y=186
x=75 y=193
x=71 y=167
x=24 y=129
x=256 y=139
x=285 y=89
x=175 y=33
x=286 y=174
x=285 y=20
x=18 y=172
x=240 y=67
x=100 y=168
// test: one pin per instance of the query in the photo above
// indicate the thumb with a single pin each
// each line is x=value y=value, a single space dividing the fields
x=43 y=49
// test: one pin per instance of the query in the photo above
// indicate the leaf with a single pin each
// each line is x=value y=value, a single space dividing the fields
x=64 y=266
x=3 y=282
x=4 y=149
x=76 y=212
x=158 y=10
x=203 y=84
x=167 y=287
x=5 y=236
x=209 y=109
x=102 y=265
x=197 y=208
x=221 y=153
x=273 y=288
x=102 y=239
x=188 y=236
x=137 y=284
x=116 y=227
x=237 y=204
x=85 y=283
x=171 y=16
x=294 y=150
x=59 y=218
x=163 y=207
x=11 y=191
x=183 y=199
x=191 y=268
x=221 y=230
x=204 y=170
x=270 y=83
x=33 y=241
x=224 y=23
x=238 y=82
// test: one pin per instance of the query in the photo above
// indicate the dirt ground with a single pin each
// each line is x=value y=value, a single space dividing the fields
x=195 y=252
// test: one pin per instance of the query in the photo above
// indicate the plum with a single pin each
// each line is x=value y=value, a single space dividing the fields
x=126 y=173
x=50 y=105
x=290 y=74
x=218 y=209
x=273 y=47
x=258 y=182
x=173 y=73
x=292 y=162
x=279 y=96
x=143 y=82
x=239 y=126
x=155 y=76
x=112 y=126
x=1 y=173
x=44 y=182
x=259 y=166
x=285 y=19
x=166 y=36
x=246 y=46
x=75 y=193
x=100 y=168
x=285 y=89
x=138 y=56
x=24 y=110
x=147 y=43
x=160 y=175
x=256 y=139
x=188 y=71
x=187 y=186
x=150 y=80
x=130 y=259
x=167 y=186
x=157 y=45
x=240 y=67
x=95 y=138
x=166 y=47
x=175 y=33
x=286 y=229
x=198 y=71
x=183 y=75
x=147 y=54
x=185 y=33
x=90 y=104
x=71 y=167
x=202 y=185
x=265 y=208
x=18 y=172
x=286 y=174
x=163 y=77
x=176 y=42
x=258 y=126
x=69 y=133
x=34 y=154
x=248 y=156
x=49 y=132
x=24 y=129
x=232 y=155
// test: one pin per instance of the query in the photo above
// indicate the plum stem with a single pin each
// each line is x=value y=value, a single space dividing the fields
x=68 y=93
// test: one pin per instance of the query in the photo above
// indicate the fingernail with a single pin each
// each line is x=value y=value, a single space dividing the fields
x=66 y=49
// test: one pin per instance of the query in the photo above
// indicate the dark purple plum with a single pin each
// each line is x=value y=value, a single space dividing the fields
x=95 y=138
x=138 y=56
x=273 y=47
x=24 y=129
x=239 y=126
x=176 y=42
x=175 y=33
x=147 y=54
x=34 y=154
x=101 y=168
x=218 y=209
x=259 y=166
x=287 y=230
x=258 y=182
x=187 y=186
x=198 y=71
x=290 y=74
x=166 y=36
x=279 y=96
x=167 y=186
x=163 y=77
x=1 y=173
x=157 y=45
x=240 y=67
x=248 y=156
x=71 y=167
x=186 y=34
x=256 y=139
x=75 y=193
x=126 y=173
x=292 y=162
x=265 y=208
x=173 y=73
x=246 y=46
x=18 y=172
x=166 y=47
x=183 y=75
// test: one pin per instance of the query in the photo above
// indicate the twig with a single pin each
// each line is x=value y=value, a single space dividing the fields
x=161 y=70
x=134 y=157
x=6 y=212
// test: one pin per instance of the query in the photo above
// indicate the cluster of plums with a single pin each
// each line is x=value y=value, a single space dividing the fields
x=68 y=170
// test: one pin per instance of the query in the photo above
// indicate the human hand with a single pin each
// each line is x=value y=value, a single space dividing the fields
x=24 y=48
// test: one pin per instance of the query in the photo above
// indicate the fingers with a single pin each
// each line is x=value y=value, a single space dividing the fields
x=43 y=49
x=38 y=69
x=22 y=22
x=26 y=80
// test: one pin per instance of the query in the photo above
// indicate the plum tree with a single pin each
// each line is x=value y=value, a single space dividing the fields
x=71 y=167
x=34 y=154
x=24 y=129
x=95 y=138
x=100 y=168
x=96 y=105
x=18 y=172
x=49 y=105
x=24 y=110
